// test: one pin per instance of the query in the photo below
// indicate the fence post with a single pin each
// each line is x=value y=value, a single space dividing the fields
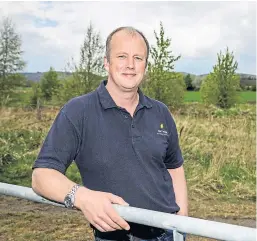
x=177 y=236
x=39 y=115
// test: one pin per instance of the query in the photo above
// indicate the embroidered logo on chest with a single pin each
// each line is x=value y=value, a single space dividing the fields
x=161 y=131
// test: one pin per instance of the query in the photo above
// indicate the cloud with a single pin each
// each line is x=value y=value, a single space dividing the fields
x=52 y=32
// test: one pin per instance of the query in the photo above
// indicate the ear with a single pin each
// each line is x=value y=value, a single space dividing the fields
x=106 y=64
x=146 y=67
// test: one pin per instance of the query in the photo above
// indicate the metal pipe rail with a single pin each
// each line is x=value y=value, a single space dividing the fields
x=195 y=226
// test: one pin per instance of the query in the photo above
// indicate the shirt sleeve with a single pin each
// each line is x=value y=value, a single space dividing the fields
x=60 y=146
x=174 y=158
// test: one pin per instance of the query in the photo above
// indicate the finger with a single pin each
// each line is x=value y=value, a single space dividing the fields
x=106 y=227
x=96 y=221
x=110 y=222
x=117 y=200
x=97 y=227
x=116 y=218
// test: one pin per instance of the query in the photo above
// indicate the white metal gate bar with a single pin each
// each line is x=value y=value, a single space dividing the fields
x=195 y=226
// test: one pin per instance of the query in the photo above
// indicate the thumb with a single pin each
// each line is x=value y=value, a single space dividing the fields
x=117 y=200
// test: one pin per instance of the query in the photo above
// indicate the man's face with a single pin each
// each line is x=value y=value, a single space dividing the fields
x=127 y=63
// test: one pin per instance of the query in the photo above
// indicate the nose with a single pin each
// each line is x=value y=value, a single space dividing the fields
x=130 y=63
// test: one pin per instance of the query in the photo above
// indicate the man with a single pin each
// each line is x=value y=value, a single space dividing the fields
x=124 y=144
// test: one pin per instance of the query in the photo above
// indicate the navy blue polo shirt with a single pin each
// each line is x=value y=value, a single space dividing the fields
x=114 y=152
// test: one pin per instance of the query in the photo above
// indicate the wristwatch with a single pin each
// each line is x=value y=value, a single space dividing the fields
x=69 y=199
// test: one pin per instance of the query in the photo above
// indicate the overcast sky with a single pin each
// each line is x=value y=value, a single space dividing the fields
x=52 y=32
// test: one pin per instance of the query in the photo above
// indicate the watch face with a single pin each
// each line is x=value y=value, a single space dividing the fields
x=68 y=202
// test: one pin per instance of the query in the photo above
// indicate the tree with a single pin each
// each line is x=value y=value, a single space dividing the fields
x=188 y=82
x=10 y=58
x=162 y=83
x=70 y=88
x=221 y=85
x=49 y=84
x=91 y=60
x=36 y=95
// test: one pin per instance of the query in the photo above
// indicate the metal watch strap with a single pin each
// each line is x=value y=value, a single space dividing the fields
x=69 y=200
x=74 y=189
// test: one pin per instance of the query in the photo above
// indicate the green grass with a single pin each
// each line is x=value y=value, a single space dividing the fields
x=248 y=96
x=18 y=150
x=192 y=96
x=245 y=96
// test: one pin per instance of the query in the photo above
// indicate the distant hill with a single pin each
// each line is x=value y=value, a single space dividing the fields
x=38 y=75
x=245 y=79
x=248 y=79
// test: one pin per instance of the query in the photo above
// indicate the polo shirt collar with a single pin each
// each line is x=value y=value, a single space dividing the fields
x=104 y=96
x=107 y=102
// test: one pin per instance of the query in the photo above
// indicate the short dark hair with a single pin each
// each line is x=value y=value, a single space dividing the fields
x=131 y=30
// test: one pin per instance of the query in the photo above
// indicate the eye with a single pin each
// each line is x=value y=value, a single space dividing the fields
x=138 y=58
x=121 y=56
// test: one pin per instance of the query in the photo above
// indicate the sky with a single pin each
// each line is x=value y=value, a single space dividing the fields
x=53 y=32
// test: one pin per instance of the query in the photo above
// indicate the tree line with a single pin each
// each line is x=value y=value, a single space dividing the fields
x=220 y=87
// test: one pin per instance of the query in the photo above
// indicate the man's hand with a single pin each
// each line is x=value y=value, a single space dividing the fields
x=98 y=210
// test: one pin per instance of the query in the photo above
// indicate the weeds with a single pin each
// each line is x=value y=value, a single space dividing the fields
x=219 y=151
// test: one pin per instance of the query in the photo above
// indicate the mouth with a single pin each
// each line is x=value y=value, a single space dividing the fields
x=128 y=74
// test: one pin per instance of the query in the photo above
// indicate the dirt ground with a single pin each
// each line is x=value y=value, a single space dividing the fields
x=25 y=220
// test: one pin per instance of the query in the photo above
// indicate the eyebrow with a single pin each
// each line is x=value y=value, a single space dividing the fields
x=127 y=54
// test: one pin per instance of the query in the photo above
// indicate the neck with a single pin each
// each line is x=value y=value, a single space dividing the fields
x=125 y=99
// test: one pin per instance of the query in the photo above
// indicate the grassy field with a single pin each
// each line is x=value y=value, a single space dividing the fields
x=248 y=96
x=245 y=96
x=220 y=163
